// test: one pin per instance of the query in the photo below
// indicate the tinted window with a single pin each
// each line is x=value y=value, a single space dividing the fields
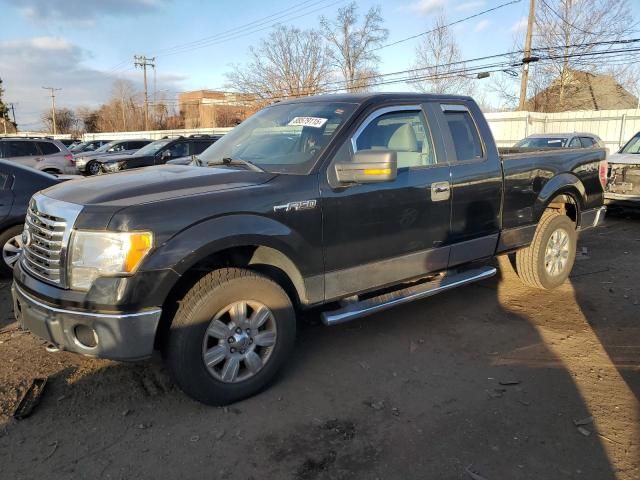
x=404 y=132
x=137 y=144
x=575 y=143
x=178 y=150
x=199 y=147
x=21 y=149
x=540 y=142
x=464 y=133
x=587 y=142
x=48 y=148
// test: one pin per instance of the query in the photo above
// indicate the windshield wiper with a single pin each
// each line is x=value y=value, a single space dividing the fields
x=236 y=161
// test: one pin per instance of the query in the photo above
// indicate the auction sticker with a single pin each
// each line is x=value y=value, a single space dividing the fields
x=315 y=122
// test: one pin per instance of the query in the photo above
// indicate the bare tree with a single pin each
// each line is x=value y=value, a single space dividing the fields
x=439 y=66
x=567 y=31
x=66 y=120
x=289 y=63
x=352 y=44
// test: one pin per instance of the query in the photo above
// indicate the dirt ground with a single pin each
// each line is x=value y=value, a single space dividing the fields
x=489 y=379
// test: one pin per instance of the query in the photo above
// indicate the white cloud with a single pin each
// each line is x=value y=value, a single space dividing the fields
x=425 y=7
x=520 y=26
x=481 y=25
x=28 y=64
x=472 y=5
x=83 y=11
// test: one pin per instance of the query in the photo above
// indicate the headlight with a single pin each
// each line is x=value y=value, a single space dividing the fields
x=105 y=254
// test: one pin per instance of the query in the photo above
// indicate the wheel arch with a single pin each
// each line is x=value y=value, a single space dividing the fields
x=565 y=193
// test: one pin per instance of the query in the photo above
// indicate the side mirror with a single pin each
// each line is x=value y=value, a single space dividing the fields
x=165 y=154
x=368 y=166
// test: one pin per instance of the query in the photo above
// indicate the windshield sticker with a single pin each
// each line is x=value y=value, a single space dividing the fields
x=315 y=122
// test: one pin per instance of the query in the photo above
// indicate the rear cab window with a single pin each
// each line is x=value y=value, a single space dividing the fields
x=464 y=133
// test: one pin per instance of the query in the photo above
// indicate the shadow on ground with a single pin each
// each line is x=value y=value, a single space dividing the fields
x=492 y=376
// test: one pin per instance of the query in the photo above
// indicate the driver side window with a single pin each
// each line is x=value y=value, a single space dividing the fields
x=406 y=132
x=178 y=150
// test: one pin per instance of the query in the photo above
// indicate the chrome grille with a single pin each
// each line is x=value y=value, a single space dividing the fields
x=46 y=235
x=43 y=253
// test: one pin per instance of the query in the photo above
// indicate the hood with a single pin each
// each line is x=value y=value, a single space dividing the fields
x=625 y=158
x=152 y=184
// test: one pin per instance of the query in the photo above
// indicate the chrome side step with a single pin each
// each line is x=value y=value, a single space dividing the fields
x=408 y=294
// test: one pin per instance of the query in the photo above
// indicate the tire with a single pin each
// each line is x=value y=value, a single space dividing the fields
x=10 y=241
x=531 y=267
x=190 y=337
x=92 y=168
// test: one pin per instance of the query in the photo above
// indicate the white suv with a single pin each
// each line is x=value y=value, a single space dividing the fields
x=40 y=153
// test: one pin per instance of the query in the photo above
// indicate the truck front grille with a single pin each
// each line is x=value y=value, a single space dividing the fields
x=47 y=229
x=43 y=251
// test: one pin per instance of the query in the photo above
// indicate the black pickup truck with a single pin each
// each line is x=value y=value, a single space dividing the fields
x=352 y=203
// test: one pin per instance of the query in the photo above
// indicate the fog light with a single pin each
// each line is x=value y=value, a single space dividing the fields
x=85 y=336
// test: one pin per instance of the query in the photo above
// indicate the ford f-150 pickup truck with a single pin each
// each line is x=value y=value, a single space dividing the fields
x=352 y=203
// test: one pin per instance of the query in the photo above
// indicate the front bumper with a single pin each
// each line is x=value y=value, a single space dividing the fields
x=116 y=336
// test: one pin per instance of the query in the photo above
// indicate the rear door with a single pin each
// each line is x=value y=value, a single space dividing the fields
x=23 y=152
x=476 y=182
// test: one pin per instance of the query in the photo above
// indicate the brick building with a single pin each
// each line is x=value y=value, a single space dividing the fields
x=211 y=108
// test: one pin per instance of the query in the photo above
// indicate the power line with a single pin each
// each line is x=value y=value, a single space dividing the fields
x=412 y=37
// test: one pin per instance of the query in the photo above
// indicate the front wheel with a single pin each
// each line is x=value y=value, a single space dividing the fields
x=230 y=336
x=548 y=261
x=11 y=242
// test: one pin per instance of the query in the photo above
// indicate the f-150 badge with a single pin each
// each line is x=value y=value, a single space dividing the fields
x=295 y=206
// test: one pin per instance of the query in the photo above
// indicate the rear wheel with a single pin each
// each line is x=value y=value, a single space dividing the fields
x=230 y=336
x=93 y=168
x=11 y=242
x=548 y=261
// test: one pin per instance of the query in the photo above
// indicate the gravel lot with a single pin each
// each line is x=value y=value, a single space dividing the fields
x=489 y=379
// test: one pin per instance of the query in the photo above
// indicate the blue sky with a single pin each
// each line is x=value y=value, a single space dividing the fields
x=82 y=45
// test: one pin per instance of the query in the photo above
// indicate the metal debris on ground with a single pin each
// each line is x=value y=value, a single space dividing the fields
x=509 y=382
x=375 y=405
x=583 y=421
x=30 y=399
x=584 y=431
x=473 y=475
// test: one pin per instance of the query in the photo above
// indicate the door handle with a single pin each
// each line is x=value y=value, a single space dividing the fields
x=440 y=191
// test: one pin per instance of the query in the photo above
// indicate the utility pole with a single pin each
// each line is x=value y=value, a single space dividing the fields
x=144 y=62
x=527 y=55
x=13 y=114
x=53 y=106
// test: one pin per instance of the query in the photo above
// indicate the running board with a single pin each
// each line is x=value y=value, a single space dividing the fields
x=408 y=294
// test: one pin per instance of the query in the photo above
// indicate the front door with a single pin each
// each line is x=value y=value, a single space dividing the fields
x=379 y=234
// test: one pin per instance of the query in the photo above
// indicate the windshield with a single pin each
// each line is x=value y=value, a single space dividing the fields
x=633 y=145
x=106 y=147
x=284 y=138
x=540 y=142
x=152 y=148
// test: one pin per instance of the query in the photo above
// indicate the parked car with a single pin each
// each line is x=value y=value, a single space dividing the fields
x=17 y=186
x=40 y=153
x=623 y=188
x=157 y=153
x=89 y=146
x=87 y=164
x=69 y=142
x=561 y=140
x=191 y=159
x=353 y=203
